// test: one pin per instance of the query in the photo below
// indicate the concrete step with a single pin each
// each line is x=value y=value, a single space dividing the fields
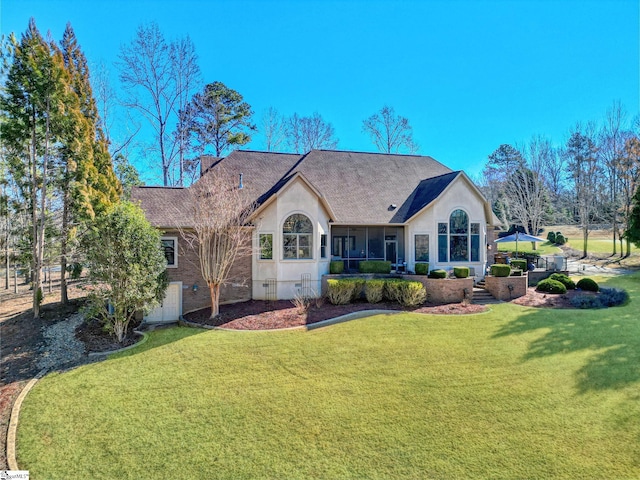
x=483 y=297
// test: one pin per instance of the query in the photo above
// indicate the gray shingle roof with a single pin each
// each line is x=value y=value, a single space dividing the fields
x=359 y=187
x=164 y=207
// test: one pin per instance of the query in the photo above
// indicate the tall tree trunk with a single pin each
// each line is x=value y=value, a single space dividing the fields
x=585 y=235
x=34 y=220
x=214 y=289
x=64 y=298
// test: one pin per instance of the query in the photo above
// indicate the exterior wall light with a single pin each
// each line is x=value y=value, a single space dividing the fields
x=195 y=287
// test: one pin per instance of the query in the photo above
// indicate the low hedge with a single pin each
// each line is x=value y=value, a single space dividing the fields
x=551 y=286
x=374 y=290
x=438 y=273
x=563 y=279
x=519 y=263
x=336 y=267
x=588 y=284
x=422 y=268
x=461 y=272
x=500 y=270
x=374 y=266
x=341 y=291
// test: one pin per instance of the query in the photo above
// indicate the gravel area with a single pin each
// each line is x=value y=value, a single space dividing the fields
x=61 y=345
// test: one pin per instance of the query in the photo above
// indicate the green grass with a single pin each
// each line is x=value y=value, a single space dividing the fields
x=600 y=246
x=514 y=393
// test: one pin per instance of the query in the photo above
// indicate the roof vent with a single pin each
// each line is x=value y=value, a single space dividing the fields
x=393 y=206
x=240 y=184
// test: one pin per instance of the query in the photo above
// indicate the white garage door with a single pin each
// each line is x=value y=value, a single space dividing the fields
x=170 y=309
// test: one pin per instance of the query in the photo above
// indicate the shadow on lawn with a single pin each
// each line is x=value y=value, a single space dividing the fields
x=613 y=335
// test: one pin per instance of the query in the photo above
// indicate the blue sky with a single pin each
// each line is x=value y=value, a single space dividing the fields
x=468 y=75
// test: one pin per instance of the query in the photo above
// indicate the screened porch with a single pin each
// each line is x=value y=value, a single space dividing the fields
x=353 y=244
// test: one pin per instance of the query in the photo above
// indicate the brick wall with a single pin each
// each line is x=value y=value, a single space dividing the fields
x=506 y=288
x=447 y=290
x=188 y=272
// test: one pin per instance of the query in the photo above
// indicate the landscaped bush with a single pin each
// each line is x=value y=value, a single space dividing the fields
x=612 y=297
x=563 y=279
x=461 y=272
x=374 y=266
x=412 y=293
x=393 y=289
x=422 y=268
x=608 y=297
x=560 y=239
x=340 y=291
x=438 y=273
x=374 y=290
x=551 y=236
x=336 y=267
x=551 y=286
x=587 y=284
x=519 y=263
x=500 y=270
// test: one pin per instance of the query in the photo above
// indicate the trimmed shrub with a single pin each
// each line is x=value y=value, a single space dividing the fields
x=339 y=291
x=336 y=267
x=412 y=293
x=393 y=289
x=551 y=286
x=588 y=285
x=551 y=236
x=608 y=297
x=422 y=268
x=374 y=266
x=461 y=272
x=358 y=287
x=438 y=273
x=612 y=297
x=519 y=263
x=560 y=239
x=563 y=279
x=374 y=290
x=500 y=270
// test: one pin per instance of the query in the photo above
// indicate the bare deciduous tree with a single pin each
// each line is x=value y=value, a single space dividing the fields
x=308 y=133
x=611 y=145
x=221 y=233
x=157 y=77
x=629 y=176
x=586 y=174
x=390 y=132
x=273 y=128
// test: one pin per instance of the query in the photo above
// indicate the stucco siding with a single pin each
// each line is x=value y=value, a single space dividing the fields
x=459 y=195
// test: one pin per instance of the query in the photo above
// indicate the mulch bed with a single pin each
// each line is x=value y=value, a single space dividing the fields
x=97 y=339
x=263 y=315
x=537 y=299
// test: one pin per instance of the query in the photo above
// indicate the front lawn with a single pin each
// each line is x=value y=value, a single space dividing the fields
x=513 y=393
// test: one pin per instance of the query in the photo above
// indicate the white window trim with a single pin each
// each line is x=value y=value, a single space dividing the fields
x=413 y=247
x=312 y=234
x=273 y=241
x=175 y=250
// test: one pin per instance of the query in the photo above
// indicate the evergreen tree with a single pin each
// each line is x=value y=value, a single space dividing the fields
x=33 y=102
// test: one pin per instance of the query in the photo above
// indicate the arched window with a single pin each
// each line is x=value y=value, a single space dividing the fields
x=458 y=240
x=297 y=237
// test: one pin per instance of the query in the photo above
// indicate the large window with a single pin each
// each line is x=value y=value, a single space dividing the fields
x=297 y=237
x=458 y=240
x=266 y=246
x=422 y=248
x=170 y=250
